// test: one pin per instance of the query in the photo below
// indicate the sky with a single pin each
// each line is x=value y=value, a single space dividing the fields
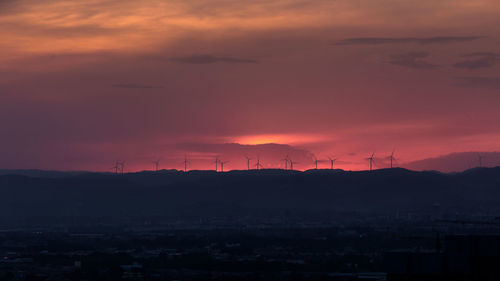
x=86 y=83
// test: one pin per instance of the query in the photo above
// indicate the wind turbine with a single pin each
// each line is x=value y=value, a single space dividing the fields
x=286 y=161
x=258 y=165
x=291 y=163
x=332 y=161
x=216 y=162
x=122 y=166
x=156 y=164
x=480 y=159
x=371 y=160
x=391 y=157
x=316 y=162
x=248 y=162
x=116 y=167
x=185 y=162
x=222 y=165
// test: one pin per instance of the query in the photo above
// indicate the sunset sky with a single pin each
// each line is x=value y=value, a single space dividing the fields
x=86 y=83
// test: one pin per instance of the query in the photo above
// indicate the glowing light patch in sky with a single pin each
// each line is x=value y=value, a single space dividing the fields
x=292 y=139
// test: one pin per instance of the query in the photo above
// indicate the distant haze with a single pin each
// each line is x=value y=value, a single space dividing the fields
x=456 y=162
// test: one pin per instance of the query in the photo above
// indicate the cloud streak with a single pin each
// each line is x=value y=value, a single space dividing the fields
x=395 y=40
x=135 y=86
x=479 y=82
x=209 y=59
x=413 y=60
x=478 y=60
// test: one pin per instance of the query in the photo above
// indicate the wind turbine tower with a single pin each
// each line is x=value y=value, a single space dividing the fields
x=122 y=166
x=156 y=164
x=391 y=157
x=371 y=160
x=222 y=165
x=216 y=163
x=248 y=162
x=185 y=163
x=286 y=159
x=332 y=161
x=258 y=165
x=480 y=159
x=116 y=167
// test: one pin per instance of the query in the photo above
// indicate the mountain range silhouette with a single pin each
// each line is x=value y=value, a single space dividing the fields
x=204 y=194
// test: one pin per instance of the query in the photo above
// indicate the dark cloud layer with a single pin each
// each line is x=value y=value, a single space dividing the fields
x=207 y=59
x=478 y=60
x=135 y=86
x=479 y=82
x=413 y=60
x=389 y=40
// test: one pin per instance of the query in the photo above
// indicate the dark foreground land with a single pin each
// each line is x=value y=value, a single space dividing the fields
x=259 y=225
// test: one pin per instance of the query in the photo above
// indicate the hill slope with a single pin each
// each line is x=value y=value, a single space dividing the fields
x=199 y=194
